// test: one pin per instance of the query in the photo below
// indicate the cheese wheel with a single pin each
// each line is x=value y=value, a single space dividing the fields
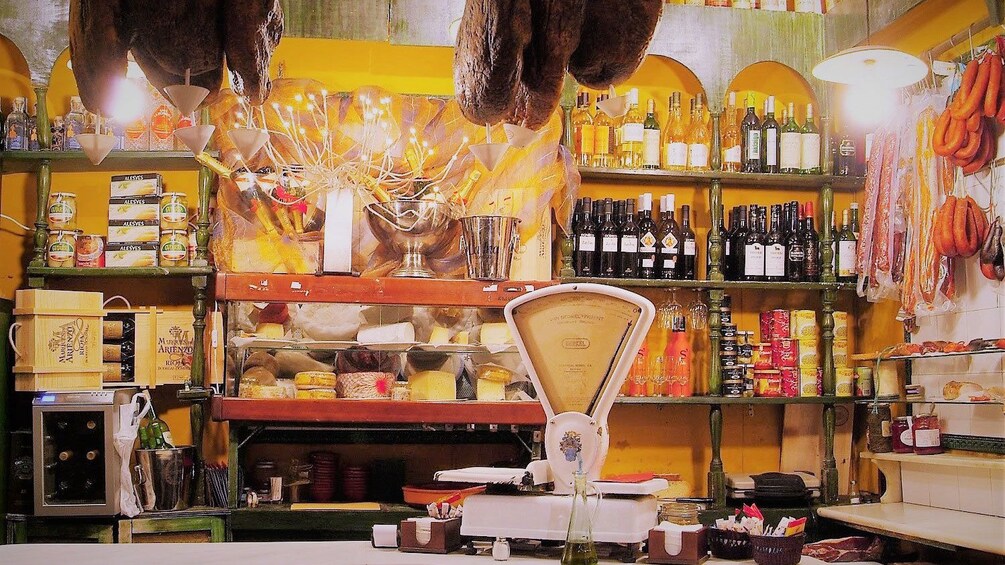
x=388 y=333
x=432 y=385
x=495 y=333
x=315 y=379
x=317 y=394
x=439 y=336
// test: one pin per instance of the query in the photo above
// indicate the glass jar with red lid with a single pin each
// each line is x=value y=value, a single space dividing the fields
x=927 y=438
x=903 y=435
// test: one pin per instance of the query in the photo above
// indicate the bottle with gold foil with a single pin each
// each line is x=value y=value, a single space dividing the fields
x=651 y=141
x=583 y=130
x=675 y=139
x=632 y=131
x=699 y=139
x=603 y=128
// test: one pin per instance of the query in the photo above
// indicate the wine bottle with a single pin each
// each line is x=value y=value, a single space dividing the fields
x=774 y=248
x=92 y=454
x=647 y=238
x=732 y=153
x=669 y=242
x=847 y=156
x=699 y=138
x=738 y=244
x=689 y=255
x=583 y=131
x=66 y=455
x=631 y=133
x=795 y=248
x=587 y=246
x=628 y=244
x=608 y=235
x=854 y=219
x=769 y=139
x=811 y=247
x=723 y=245
x=847 y=250
x=809 y=139
x=651 y=139
x=577 y=220
x=753 y=248
x=602 y=128
x=675 y=145
x=790 y=150
x=750 y=128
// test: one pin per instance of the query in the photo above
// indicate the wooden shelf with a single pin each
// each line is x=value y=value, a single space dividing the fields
x=659 y=176
x=873 y=356
x=377 y=412
x=942 y=459
x=275 y=517
x=927 y=401
x=725 y=285
x=124 y=272
x=709 y=400
x=356 y=290
x=76 y=161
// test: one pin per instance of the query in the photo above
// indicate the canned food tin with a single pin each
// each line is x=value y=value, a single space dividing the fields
x=840 y=349
x=803 y=324
x=809 y=357
x=174 y=211
x=726 y=315
x=784 y=353
x=744 y=349
x=732 y=389
x=90 y=251
x=844 y=378
x=863 y=381
x=840 y=325
x=734 y=373
x=192 y=245
x=61 y=248
x=728 y=359
x=728 y=330
x=728 y=345
x=748 y=380
x=767 y=383
x=762 y=356
x=790 y=381
x=809 y=382
x=61 y=211
x=174 y=248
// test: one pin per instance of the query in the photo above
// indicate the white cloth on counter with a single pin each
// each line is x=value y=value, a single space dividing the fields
x=672 y=538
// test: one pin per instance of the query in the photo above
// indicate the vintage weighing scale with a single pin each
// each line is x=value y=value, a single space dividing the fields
x=578 y=342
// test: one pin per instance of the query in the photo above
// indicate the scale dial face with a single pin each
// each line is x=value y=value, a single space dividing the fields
x=574 y=341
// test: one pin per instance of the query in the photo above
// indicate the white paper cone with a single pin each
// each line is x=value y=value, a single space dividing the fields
x=248 y=140
x=186 y=97
x=489 y=154
x=195 y=137
x=519 y=136
x=615 y=106
x=95 y=146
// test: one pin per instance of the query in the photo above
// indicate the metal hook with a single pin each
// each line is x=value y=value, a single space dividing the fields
x=970 y=37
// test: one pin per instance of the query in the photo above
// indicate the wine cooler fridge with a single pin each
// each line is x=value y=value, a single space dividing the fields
x=75 y=462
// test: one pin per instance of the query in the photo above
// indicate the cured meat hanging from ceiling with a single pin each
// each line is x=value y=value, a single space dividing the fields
x=170 y=40
x=512 y=55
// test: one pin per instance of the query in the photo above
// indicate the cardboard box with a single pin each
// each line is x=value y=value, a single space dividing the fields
x=138 y=208
x=174 y=347
x=132 y=186
x=131 y=254
x=134 y=231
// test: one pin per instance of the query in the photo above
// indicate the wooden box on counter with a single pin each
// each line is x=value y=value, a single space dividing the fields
x=693 y=551
x=444 y=536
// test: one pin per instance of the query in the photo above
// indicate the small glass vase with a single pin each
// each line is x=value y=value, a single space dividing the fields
x=579 y=548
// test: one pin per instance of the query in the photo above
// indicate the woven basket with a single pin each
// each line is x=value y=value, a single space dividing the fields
x=777 y=550
x=727 y=544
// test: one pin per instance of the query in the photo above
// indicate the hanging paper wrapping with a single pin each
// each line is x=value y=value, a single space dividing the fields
x=321 y=141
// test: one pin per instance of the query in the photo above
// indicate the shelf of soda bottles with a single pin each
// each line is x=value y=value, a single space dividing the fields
x=706 y=285
x=711 y=400
x=763 y=180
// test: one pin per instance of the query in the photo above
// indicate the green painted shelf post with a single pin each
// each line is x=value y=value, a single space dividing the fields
x=716 y=474
x=198 y=383
x=201 y=258
x=715 y=250
x=233 y=464
x=42 y=131
x=829 y=474
x=715 y=299
x=43 y=181
x=826 y=251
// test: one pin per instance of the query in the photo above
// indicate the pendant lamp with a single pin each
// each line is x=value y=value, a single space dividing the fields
x=873 y=65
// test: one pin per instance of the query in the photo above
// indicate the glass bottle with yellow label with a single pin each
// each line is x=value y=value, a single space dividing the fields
x=675 y=142
x=602 y=129
x=632 y=131
x=583 y=130
x=699 y=140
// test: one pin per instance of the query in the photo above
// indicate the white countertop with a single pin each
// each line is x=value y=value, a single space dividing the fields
x=264 y=553
x=950 y=527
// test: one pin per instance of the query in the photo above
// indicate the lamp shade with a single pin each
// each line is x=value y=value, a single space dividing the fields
x=872 y=65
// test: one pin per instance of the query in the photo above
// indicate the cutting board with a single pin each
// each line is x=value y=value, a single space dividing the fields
x=803 y=440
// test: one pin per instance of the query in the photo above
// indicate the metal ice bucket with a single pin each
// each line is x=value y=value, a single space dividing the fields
x=488 y=243
x=414 y=228
x=165 y=477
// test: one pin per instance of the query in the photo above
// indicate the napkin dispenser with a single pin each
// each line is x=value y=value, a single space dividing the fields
x=430 y=535
x=692 y=548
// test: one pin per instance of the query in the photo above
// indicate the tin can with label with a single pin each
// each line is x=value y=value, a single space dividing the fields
x=174 y=211
x=728 y=345
x=732 y=389
x=809 y=382
x=762 y=356
x=728 y=330
x=863 y=381
x=726 y=315
x=748 y=380
x=90 y=251
x=728 y=359
x=734 y=373
x=61 y=211
x=803 y=324
x=61 y=248
x=174 y=248
x=790 y=381
x=784 y=352
x=844 y=381
x=808 y=356
x=767 y=383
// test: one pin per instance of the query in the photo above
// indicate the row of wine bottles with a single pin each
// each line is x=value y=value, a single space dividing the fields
x=611 y=239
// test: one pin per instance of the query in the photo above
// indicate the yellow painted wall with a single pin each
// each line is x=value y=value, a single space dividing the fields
x=662 y=439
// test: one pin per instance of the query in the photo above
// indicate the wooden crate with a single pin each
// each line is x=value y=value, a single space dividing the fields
x=175 y=338
x=57 y=340
x=138 y=343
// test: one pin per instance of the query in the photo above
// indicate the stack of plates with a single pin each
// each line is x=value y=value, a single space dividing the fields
x=324 y=475
x=354 y=483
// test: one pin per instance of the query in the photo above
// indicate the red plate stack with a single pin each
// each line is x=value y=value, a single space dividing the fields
x=324 y=475
x=354 y=483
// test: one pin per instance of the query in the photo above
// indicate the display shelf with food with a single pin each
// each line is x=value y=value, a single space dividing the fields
x=77 y=162
x=749 y=180
x=124 y=272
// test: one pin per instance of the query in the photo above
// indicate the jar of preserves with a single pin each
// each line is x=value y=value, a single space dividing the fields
x=174 y=248
x=61 y=211
x=174 y=211
x=879 y=429
x=903 y=436
x=927 y=437
x=61 y=248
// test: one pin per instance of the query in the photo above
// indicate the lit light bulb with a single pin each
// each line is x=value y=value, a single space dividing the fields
x=275 y=106
x=298 y=98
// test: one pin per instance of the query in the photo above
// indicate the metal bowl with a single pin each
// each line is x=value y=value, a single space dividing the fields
x=414 y=228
